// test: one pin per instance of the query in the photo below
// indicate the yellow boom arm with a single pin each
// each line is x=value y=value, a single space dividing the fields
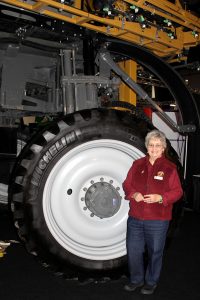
x=163 y=27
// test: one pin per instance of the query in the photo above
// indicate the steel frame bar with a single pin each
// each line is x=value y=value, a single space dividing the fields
x=152 y=38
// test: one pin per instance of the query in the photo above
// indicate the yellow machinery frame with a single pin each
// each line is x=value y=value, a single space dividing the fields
x=153 y=38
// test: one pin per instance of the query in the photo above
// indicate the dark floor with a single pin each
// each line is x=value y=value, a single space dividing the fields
x=23 y=277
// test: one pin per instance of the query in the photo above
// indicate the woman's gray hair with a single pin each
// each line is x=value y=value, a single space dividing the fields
x=156 y=134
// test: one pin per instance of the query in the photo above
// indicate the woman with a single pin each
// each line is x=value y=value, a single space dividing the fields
x=152 y=186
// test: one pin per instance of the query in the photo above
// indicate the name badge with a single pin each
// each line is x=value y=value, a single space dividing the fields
x=158 y=177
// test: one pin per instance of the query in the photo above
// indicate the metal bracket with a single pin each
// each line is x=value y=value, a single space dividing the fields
x=106 y=57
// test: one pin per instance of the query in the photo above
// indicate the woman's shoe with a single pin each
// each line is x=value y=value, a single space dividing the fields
x=130 y=287
x=148 y=289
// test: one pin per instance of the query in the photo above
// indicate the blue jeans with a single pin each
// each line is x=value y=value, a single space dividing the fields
x=152 y=235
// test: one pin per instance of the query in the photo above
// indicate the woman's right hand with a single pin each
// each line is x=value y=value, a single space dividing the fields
x=138 y=197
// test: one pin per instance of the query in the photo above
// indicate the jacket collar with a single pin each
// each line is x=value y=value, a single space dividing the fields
x=157 y=161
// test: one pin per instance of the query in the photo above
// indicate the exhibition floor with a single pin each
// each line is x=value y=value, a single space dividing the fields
x=22 y=277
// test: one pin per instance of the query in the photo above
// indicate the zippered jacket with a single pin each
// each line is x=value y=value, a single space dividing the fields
x=160 y=178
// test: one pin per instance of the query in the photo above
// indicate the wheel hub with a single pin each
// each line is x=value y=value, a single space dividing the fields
x=103 y=199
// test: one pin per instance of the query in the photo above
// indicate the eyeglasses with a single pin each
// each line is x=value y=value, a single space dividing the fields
x=155 y=145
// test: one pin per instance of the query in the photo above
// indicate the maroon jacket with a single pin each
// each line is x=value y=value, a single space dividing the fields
x=161 y=178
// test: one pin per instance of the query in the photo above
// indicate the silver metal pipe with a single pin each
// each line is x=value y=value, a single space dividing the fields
x=68 y=89
x=106 y=57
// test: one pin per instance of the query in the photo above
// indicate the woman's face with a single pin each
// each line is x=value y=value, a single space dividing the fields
x=155 y=148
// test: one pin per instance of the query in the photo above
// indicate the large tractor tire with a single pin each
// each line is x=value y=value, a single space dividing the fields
x=66 y=191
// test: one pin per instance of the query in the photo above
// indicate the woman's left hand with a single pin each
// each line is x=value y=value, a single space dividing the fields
x=152 y=198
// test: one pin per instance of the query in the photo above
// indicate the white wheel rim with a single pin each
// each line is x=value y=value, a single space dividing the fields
x=69 y=220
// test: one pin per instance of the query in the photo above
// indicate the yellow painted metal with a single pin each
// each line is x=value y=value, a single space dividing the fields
x=125 y=93
x=153 y=38
x=77 y=4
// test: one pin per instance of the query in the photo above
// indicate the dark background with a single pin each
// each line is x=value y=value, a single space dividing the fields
x=22 y=277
